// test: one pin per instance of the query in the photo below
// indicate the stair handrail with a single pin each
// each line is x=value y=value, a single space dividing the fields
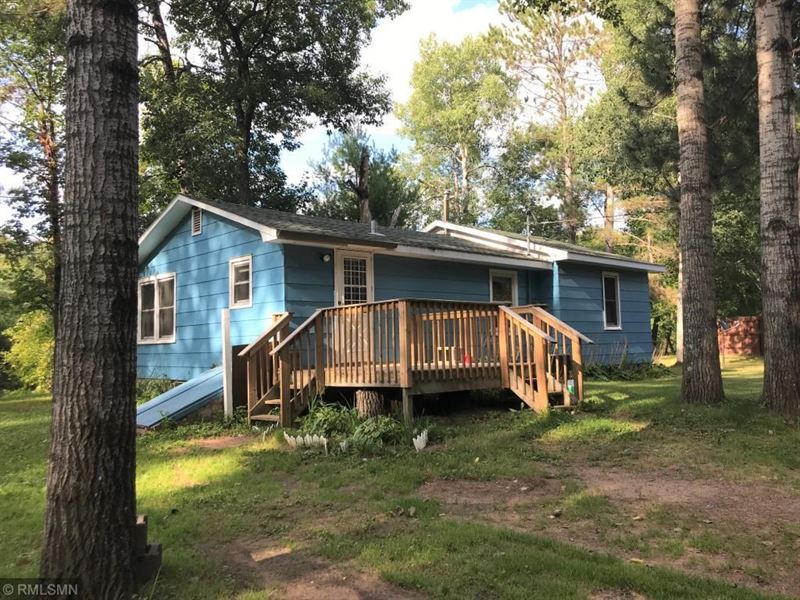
x=527 y=324
x=551 y=320
x=299 y=330
x=268 y=334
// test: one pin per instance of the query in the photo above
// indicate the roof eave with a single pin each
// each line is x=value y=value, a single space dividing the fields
x=179 y=208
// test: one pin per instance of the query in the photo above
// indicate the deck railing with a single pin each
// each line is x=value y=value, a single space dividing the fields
x=424 y=346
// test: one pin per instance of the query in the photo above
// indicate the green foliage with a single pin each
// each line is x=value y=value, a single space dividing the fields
x=341 y=423
x=330 y=420
x=147 y=389
x=377 y=432
x=627 y=371
x=31 y=353
x=389 y=189
x=267 y=70
x=461 y=97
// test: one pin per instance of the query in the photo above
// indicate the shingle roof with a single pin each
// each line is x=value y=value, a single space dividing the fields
x=307 y=225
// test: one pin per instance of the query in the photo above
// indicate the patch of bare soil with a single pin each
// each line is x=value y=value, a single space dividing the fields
x=616 y=595
x=221 y=443
x=467 y=495
x=743 y=504
x=300 y=576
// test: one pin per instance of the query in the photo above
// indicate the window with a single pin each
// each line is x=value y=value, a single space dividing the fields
x=157 y=309
x=503 y=287
x=197 y=220
x=354 y=278
x=611 y=307
x=241 y=282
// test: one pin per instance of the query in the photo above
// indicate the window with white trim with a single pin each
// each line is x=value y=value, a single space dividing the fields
x=354 y=278
x=612 y=316
x=240 y=277
x=197 y=220
x=157 y=309
x=503 y=287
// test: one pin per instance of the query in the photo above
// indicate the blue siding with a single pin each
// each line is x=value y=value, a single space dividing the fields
x=201 y=267
x=578 y=300
x=310 y=281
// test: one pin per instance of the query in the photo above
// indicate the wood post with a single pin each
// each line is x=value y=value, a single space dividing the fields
x=502 y=332
x=227 y=364
x=577 y=368
x=408 y=407
x=404 y=328
x=540 y=400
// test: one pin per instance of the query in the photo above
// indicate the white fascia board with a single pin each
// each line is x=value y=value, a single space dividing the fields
x=493 y=239
x=467 y=257
x=612 y=262
x=177 y=209
x=554 y=254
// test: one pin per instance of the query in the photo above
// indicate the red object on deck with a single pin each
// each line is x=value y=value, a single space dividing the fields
x=740 y=336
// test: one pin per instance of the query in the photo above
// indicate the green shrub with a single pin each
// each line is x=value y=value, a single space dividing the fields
x=330 y=420
x=31 y=353
x=627 y=371
x=147 y=389
x=378 y=431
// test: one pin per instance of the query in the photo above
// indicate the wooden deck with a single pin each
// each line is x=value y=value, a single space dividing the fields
x=419 y=346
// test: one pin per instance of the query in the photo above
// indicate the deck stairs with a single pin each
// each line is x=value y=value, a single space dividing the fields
x=419 y=346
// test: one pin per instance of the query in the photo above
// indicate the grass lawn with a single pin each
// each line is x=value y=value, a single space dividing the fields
x=635 y=496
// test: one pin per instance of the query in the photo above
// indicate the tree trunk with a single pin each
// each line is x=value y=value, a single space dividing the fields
x=702 y=379
x=608 y=217
x=679 y=316
x=90 y=517
x=361 y=187
x=569 y=209
x=780 y=220
x=369 y=403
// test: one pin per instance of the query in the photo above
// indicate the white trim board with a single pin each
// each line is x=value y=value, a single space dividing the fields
x=496 y=240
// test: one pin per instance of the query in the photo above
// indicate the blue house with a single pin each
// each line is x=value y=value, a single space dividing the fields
x=200 y=259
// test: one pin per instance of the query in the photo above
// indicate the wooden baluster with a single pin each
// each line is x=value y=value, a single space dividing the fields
x=540 y=402
x=531 y=360
x=319 y=360
x=285 y=378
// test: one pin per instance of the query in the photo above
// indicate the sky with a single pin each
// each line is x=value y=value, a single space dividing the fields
x=392 y=52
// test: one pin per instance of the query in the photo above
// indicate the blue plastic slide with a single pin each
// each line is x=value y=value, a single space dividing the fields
x=182 y=400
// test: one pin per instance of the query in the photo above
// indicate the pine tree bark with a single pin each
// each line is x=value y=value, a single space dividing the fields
x=780 y=216
x=90 y=518
x=702 y=378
